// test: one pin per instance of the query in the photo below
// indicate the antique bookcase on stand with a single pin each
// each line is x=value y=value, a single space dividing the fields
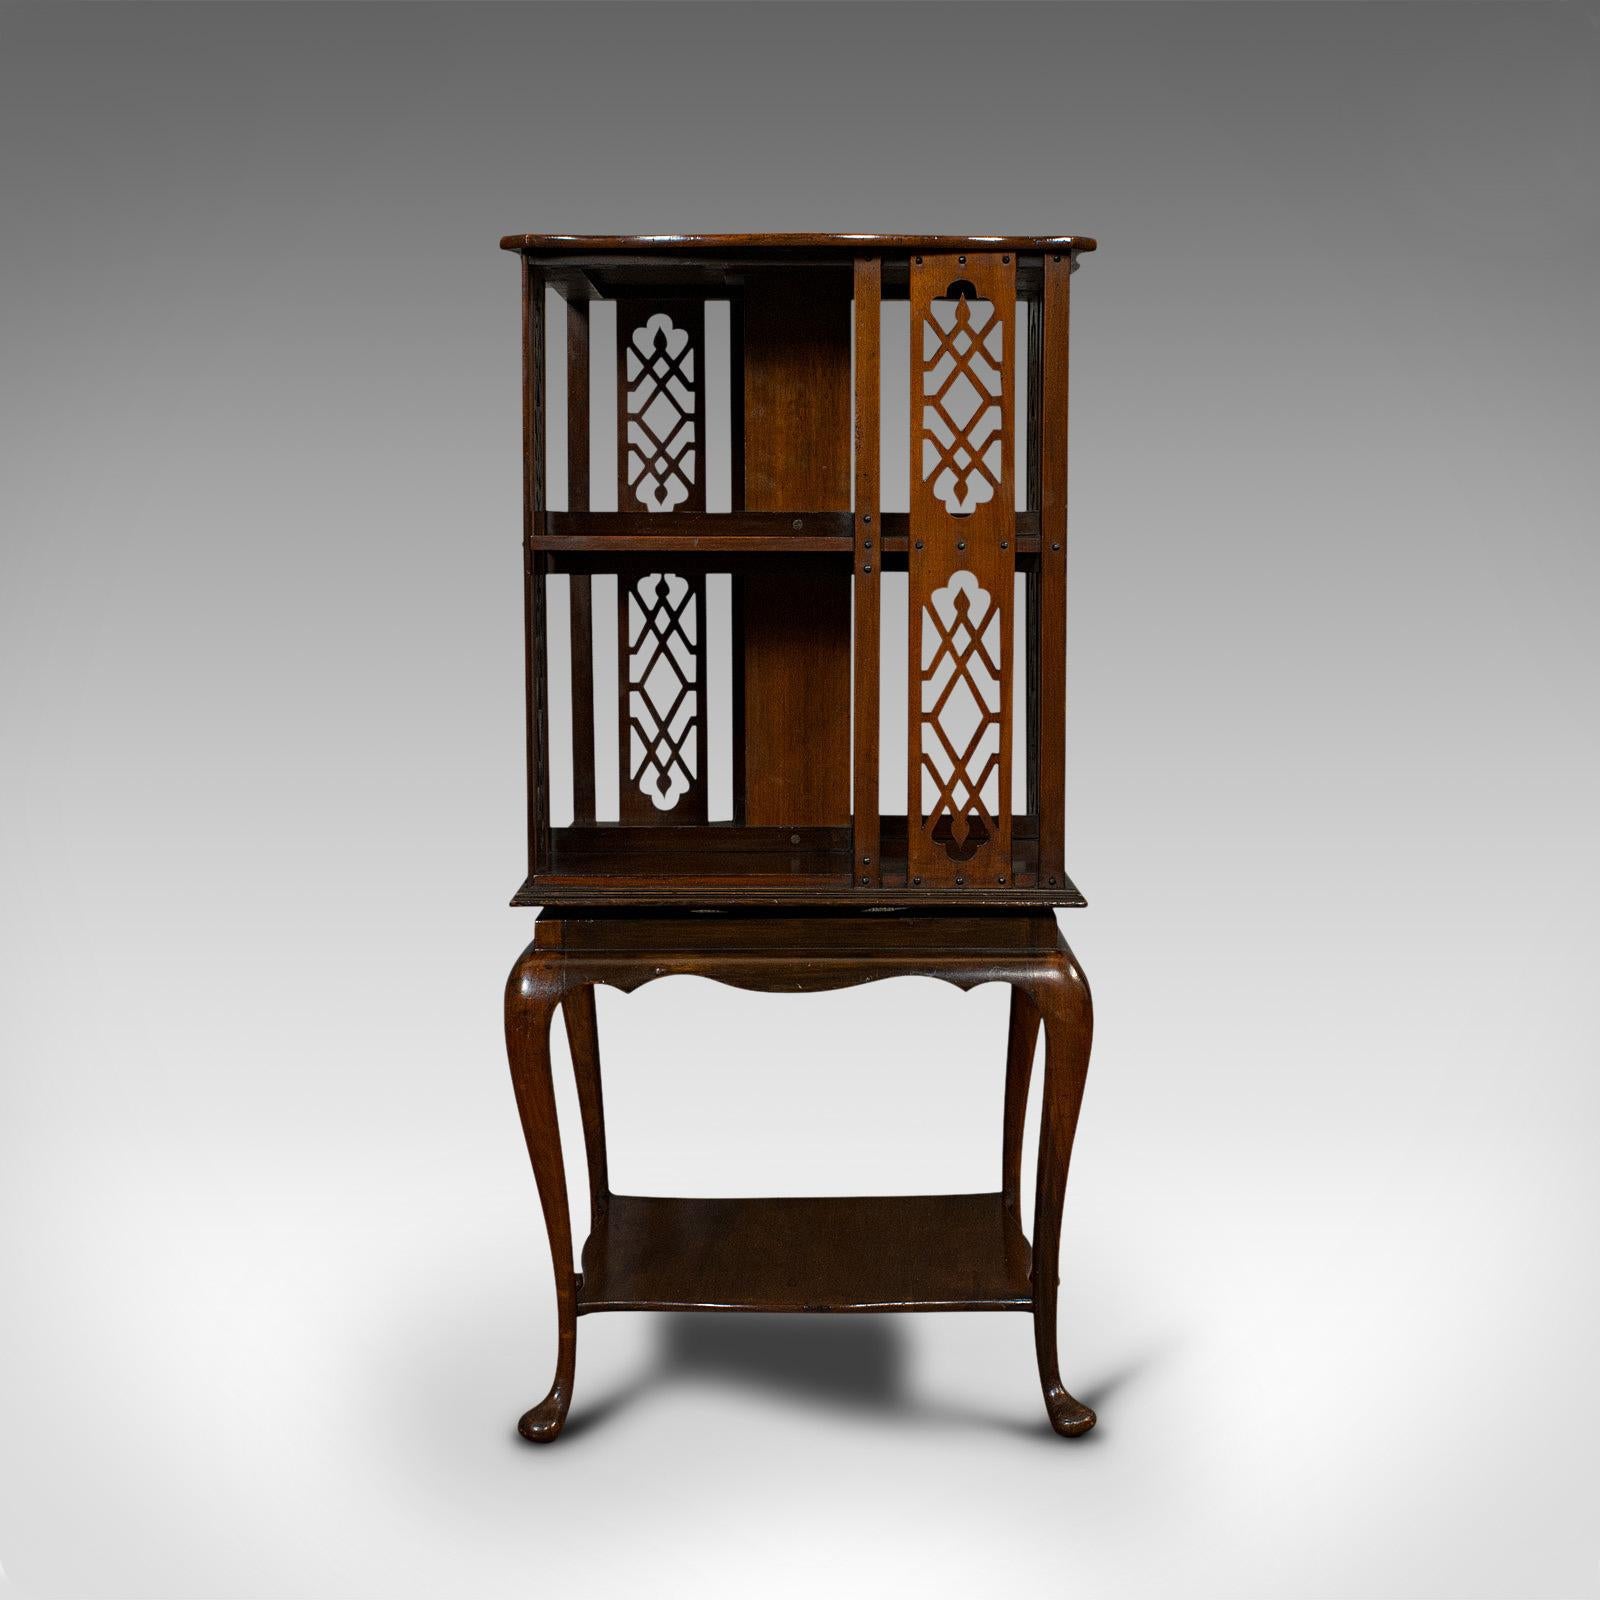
x=794 y=569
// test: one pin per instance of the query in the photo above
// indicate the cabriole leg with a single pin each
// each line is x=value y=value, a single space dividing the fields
x=1020 y=1046
x=532 y=994
x=583 y=1035
x=1062 y=996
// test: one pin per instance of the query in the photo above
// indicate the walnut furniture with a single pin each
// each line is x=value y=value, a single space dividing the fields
x=795 y=717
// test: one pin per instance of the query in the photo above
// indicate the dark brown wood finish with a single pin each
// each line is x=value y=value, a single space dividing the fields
x=1061 y=995
x=808 y=887
x=583 y=1039
x=534 y=568
x=796 y=333
x=1052 y=635
x=796 y=663
x=532 y=994
x=902 y=1253
x=963 y=524
x=946 y=1252
x=780 y=244
x=793 y=531
x=582 y=618
x=1028 y=528
x=736 y=580
x=867 y=857
x=1020 y=1046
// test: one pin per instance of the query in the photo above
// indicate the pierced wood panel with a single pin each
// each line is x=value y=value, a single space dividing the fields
x=661 y=627
x=661 y=405
x=961 y=561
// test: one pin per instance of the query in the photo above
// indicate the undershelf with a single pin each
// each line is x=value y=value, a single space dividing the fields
x=946 y=1252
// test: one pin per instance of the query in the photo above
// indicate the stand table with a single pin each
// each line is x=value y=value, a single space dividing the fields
x=721 y=673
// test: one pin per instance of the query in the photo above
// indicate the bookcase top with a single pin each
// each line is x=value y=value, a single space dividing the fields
x=651 y=243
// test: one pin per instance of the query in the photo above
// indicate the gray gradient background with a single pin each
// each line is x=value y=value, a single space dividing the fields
x=275 y=1284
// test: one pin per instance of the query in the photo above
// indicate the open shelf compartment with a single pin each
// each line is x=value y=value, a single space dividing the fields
x=736 y=650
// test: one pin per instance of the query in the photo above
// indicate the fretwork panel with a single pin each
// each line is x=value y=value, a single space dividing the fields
x=661 y=689
x=961 y=561
x=661 y=405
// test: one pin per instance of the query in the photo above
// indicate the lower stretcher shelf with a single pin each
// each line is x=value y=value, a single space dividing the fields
x=948 y=1252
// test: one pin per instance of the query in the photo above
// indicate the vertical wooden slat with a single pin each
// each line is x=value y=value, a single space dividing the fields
x=1034 y=311
x=1030 y=623
x=577 y=404
x=582 y=620
x=582 y=626
x=867 y=866
x=700 y=796
x=737 y=708
x=736 y=580
x=533 y=567
x=736 y=402
x=944 y=544
x=1035 y=333
x=1053 y=572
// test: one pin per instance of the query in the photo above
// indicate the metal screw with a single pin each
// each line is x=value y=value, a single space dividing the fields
x=866 y=516
x=797 y=524
x=961 y=544
x=1054 y=258
x=916 y=883
x=866 y=861
x=1000 y=879
x=866 y=544
x=919 y=260
x=1005 y=261
x=1004 y=544
x=1053 y=881
x=864 y=879
x=868 y=567
x=961 y=260
x=1055 y=547
x=961 y=882
x=794 y=838
x=919 y=544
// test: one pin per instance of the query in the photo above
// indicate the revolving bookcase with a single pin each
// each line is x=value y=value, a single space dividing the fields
x=794 y=557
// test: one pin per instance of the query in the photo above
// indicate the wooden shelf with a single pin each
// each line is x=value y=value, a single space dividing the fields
x=733 y=532
x=947 y=1252
x=717 y=863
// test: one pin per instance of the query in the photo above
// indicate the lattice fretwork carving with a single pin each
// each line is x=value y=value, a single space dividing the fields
x=961 y=709
x=962 y=570
x=663 y=692
x=662 y=408
x=963 y=384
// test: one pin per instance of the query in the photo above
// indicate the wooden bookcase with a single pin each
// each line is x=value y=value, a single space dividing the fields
x=804 y=554
x=796 y=661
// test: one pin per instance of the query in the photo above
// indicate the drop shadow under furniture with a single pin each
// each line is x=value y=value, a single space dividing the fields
x=795 y=877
